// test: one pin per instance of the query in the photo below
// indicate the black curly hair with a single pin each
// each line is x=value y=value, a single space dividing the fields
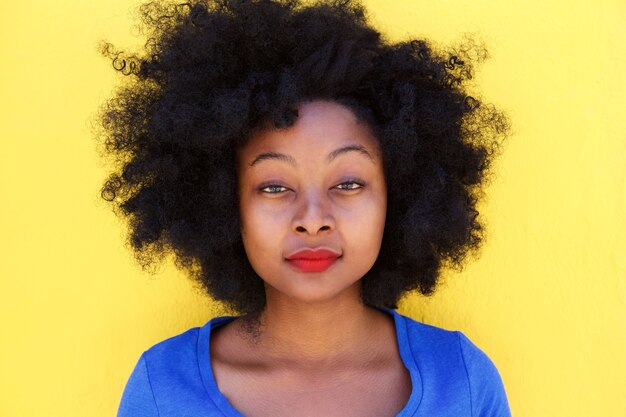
x=213 y=70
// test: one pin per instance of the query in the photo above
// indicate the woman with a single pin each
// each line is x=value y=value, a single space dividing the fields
x=308 y=174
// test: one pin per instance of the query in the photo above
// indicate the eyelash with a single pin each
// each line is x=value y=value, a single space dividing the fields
x=262 y=188
x=359 y=185
x=357 y=182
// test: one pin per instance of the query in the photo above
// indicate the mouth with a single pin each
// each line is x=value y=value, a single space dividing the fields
x=313 y=260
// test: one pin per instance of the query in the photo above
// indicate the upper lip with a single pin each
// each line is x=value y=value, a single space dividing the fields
x=317 y=253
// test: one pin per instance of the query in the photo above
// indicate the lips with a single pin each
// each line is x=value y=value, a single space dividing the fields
x=313 y=260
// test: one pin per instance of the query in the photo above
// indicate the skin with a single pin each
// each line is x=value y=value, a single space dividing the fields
x=321 y=351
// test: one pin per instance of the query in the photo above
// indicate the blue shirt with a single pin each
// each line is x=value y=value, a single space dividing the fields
x=450 y=376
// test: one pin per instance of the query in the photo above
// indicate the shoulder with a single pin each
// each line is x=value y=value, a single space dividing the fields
x=448 y=358
x=425 y=338
x=171 y=376
x=173 y=359
x=145 y=391
x=429 y=343
x=182 y=346
x=185 y=347
x=486 y=386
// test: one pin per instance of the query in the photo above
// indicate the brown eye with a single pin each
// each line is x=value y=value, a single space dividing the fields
x=349 y=186
x=273 y=189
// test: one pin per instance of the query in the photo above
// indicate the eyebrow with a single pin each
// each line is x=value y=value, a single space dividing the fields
x=349 y=148
x=274 y=155
x=334 y=154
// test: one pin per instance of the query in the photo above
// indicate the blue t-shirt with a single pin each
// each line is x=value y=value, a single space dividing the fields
x=450 y=376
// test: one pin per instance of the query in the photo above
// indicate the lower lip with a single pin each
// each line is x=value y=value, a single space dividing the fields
x=312 y=265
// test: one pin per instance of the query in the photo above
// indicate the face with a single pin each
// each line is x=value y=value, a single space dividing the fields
x=317 y=185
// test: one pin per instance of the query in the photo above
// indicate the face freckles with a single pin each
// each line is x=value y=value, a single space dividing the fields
x=319 y=183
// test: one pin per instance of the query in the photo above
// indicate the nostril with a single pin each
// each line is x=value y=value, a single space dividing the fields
x=300 y=229
x=324 y=227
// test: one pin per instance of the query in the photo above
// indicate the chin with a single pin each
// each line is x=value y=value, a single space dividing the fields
x=314 y=294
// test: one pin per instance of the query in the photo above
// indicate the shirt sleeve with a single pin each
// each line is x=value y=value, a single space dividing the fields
x=487 y=393
x=138 y=399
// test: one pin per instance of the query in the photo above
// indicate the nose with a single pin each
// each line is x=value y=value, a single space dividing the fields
x=313 y=214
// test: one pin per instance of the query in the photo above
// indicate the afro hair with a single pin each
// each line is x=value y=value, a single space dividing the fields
x=211 y=71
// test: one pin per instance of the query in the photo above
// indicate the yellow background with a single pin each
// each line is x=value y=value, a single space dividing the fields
x=546 y=300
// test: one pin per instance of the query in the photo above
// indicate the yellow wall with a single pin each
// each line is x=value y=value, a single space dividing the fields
x=546 y=300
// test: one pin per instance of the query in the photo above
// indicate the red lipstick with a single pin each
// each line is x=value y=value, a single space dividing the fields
x=313 y=260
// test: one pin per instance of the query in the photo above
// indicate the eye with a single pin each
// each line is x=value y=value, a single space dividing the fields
x=350 y=185
x=273 y=188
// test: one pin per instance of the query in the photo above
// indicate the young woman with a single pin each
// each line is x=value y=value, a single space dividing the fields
x=308 y=174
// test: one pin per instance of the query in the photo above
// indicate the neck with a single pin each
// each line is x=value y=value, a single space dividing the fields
x=317 y=334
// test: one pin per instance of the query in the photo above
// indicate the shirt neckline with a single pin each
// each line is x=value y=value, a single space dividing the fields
x=221 y=402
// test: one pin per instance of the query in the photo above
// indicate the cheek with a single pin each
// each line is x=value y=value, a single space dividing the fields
x=250 y=225
x=367 y=226
x=259 y=233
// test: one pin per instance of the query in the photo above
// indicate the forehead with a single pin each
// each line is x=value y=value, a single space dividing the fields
x=321 y=127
